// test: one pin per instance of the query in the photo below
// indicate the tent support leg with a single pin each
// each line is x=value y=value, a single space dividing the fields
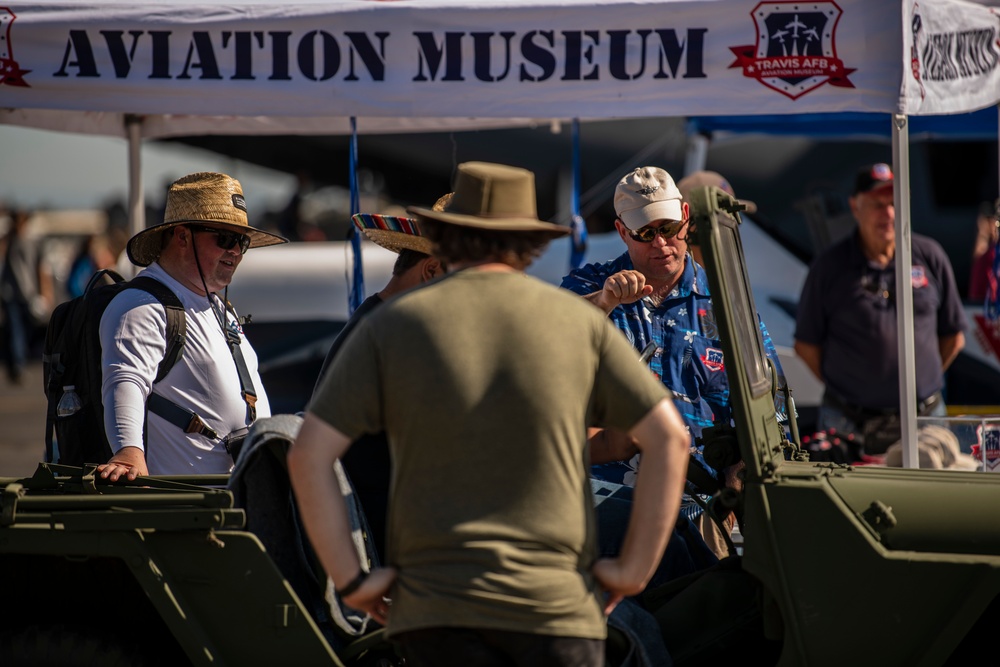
x=136 y=196
x=904 y=291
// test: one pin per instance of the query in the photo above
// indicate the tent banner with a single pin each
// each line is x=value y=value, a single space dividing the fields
x=954 y=56
x=450 y=58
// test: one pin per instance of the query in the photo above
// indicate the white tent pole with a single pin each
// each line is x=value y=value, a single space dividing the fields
x=904 y=291
x=136 y=196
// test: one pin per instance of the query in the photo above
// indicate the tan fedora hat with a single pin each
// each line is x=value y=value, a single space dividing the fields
x=207 y=198
x=393 y=232
x=493 y=197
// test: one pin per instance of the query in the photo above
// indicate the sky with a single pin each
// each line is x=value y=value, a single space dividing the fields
x=57 y=170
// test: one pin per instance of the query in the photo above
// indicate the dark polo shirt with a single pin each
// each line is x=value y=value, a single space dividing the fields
x=367 y=462
x=848 y=309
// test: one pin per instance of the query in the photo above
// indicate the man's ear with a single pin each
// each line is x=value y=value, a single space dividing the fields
x=622 y=229
x=855 y=205
x=430 y=269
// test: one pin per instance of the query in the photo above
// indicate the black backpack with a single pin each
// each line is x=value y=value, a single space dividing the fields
x=72 y=357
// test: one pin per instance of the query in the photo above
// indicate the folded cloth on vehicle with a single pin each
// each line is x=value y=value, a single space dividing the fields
x=937 y=447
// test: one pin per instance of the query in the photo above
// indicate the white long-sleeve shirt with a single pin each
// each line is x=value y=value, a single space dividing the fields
x=204 y=380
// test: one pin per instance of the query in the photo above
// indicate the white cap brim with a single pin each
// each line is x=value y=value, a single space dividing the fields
x=661 y=210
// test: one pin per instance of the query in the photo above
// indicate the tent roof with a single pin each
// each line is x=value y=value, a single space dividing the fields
x=256 y=67
x=978 y=126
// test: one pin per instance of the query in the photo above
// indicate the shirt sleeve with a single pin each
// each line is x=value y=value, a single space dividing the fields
x=810 y=321
x=133 y=342
x=951 y=315
x=625 y=389
x=585 y=280
x=349 y=396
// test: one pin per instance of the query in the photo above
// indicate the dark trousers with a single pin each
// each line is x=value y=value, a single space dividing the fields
x=461 y=647
x=18 y=323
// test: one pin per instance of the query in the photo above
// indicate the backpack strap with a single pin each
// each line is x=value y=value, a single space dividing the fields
x=176 y=335
x=246 y=382
x=176 y=321
x=182 y=418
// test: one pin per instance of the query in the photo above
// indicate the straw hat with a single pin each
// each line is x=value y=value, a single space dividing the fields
x=213 y=200
x=493 y=197
x=393 y=232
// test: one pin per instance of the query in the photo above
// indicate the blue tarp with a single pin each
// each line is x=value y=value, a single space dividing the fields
x=979 y=125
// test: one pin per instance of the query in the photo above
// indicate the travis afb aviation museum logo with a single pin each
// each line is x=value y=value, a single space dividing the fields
x=795 y=50
x=11 y=73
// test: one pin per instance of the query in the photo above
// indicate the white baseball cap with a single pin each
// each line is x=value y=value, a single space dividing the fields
x=645 y=195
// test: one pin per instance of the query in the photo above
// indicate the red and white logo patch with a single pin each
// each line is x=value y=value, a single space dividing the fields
x=713 y=359
x=11 y=73
x=796 y=51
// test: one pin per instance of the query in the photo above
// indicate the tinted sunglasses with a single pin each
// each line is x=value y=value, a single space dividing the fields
x=647 y=234
x=226 y=240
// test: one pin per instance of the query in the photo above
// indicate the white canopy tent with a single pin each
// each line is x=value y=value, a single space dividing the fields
x=258 y=67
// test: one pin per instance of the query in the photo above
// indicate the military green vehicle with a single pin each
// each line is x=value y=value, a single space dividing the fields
x=853 y=565
x=860 y=565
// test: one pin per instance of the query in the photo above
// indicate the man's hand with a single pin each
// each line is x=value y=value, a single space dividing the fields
x=617 y=585
x=372 y=597
x=128 y=461
x=622 y=287
x=608 y=445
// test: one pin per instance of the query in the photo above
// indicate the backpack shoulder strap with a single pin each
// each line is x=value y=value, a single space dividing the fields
x=176 y=321
x=246 y=382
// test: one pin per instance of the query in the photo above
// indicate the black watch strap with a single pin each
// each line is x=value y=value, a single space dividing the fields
x=354 y=585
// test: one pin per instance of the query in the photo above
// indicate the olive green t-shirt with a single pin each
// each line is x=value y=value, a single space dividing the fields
x=485 y=383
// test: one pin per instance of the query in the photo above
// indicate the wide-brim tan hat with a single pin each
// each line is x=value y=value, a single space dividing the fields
x=705 y=179
x=393 y=232
x=493 y=197
x=207 y=198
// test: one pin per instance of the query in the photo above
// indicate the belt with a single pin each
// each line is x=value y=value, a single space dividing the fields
x=860 y=412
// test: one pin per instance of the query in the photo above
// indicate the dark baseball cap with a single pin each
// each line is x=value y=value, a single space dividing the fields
x=873 y=177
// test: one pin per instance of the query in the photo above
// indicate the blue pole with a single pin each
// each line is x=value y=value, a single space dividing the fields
x=357 y=292
x=577 y=224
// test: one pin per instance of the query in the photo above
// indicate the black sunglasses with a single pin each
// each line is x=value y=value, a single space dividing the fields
x=226 y=240
x=667 y=231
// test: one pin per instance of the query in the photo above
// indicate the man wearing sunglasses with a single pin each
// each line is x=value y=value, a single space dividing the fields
x=181 y=423
x=658 y=296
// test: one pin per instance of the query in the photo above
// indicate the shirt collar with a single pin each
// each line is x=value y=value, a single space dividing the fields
x=860 y=259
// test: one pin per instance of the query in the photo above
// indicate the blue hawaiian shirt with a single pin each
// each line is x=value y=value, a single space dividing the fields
x=688 y=358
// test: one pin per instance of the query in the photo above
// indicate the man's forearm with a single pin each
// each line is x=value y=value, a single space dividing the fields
x=124 y=415
x=949 y=347
x=598 y=299
x=324 y=513
x=812 y=356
